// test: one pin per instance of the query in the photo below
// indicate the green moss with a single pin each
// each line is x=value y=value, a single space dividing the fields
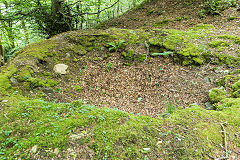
x=234 y=38
x=222 y=82
x=236 y=85
x=39 y=50
x=202 y=27
x=129 y=55
x=218 y=44
x=112 y=133
x=36 y=82
x=53 y=125
x=230 y=105
x=24 y=73
x=46 y=74
x=210 y=131
x=161 y=23
x=141 y=57
x=226 y=59
x=191 y=54
x=173 y=39
x=236 y=94
x=79 y=50
x=77 y=88
x=5 y=75
x=238 y=52
x=216 y=95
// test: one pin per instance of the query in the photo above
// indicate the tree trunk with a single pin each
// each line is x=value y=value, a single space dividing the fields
x=1 y=54
x=98 y=10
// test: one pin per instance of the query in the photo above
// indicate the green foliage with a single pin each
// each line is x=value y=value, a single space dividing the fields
x=26 y=22
x=77 y=88
x=201 y=13
x=108 y=67
x=114 y=46
x=170 y=109
x=231 y=18
x=179 y=18
x=141 y=57
x=216 y=6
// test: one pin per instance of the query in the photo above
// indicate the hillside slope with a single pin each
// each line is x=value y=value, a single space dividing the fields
x=149 y=93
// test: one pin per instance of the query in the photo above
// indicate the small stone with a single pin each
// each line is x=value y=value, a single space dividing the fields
x=68 y=55
x=4 y=101
x=146 y=149
x=194 y=104
x=221 y=88
x=56 y=151
x=34 y=149
x=60 y=68
x=209 y=106
x=47 y=90
x=226 y=71
x=207 y=79
x=13 y=80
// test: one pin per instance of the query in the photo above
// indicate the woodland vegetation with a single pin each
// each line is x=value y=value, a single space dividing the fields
x=119 y=79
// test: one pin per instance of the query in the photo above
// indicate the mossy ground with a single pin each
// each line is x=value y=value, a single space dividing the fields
x=33 y=128
x=110 y=133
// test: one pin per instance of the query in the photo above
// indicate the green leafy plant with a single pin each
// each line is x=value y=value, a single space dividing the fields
x=170 y=109
x=179 y=18
x=216 y=6
x=108 y=67
x=114 y=46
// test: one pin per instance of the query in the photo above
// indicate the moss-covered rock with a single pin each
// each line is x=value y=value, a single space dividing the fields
x=5 y=76
x=39 y=50
x=234 y=38
x=24 y=73
x=230 y=105
x=236 y=85
x=236 y=94
x=37 y=82
x=216 y=95
x=218 y=44
x=187 y=134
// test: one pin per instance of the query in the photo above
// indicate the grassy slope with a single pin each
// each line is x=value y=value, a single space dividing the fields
x=34 y=128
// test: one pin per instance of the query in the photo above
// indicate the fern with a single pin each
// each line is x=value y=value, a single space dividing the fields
x=116 y=45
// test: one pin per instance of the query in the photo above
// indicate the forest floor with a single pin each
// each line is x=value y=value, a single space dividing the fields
x=151 y=87
x=102 y=78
